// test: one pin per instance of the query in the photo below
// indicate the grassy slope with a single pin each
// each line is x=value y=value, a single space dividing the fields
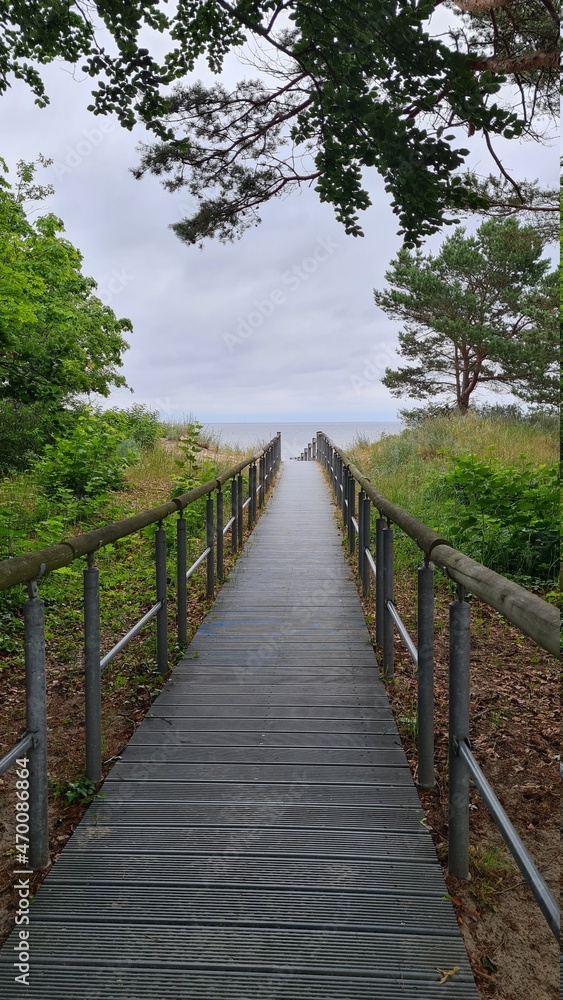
x=404 y=467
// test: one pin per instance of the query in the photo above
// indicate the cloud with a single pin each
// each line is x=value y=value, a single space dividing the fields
x=273 y=324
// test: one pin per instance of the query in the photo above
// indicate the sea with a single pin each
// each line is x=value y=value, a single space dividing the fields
x=295 y=436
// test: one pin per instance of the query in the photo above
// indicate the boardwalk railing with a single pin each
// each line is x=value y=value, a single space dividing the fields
x=533 y=616
x=30 y=753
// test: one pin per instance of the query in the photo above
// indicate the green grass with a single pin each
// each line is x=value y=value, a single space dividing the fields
x=29 y=520
x=408 y=468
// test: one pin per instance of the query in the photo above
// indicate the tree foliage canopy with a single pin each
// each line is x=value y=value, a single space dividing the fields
x=482 y=312
x=57 y=339
x=340 y=87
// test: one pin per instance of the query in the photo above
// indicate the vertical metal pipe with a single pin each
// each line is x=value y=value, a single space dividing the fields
x=181 y=583
x=379 y=566
x=351 y=513
x=361 y=498
x=254 y=497
x=36 y=723
x=261 y=478
x=240 y=524
x=343 y=491
x=425 y=676
x=92 y=673
x=458 y=780
x=161 y=595
x=366 y=572
x=210 y=544
x=388 y=593
x=219 y=532
x=250 y=494
x=234 y=513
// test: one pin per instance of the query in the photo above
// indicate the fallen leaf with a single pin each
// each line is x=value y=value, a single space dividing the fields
x=446 y=974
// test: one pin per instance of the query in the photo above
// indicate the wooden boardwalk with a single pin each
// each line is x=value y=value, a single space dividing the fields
x=261 y=837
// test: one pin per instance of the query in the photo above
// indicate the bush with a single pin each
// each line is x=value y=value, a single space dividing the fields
x=25 y=429
x=86 y=462
x=503 y=516
x=140 y=426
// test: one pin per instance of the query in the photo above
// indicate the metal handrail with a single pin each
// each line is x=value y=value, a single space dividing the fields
x=200 y=559
x=32 y=566
x=540 y=889
x=130 y=635
x=371 y=563
x=20 y=749
x=402 y=630
x=536 y=618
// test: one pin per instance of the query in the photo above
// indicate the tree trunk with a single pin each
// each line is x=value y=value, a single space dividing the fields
x=479 y=6
x=517 y=64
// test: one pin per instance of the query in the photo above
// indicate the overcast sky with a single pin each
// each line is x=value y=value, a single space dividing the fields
x=278 y=326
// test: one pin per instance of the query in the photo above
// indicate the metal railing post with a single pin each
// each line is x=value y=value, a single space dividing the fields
x=366 y=536
x=344 y=484
x=92 y=672
x=351 y=513
x=261 y=482
x=161 y=596
x=240 y=525
x=361 y=498
x=36 y=723
x=425 y=676
x=251 y=495
x=253 y=502
x=181 y=582
x=379 y=567
x=458 y=777
x=388 y=650
x=234 y=514
x=210 y=544
x=219 y=532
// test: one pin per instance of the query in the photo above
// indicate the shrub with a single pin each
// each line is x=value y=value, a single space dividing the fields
x=140 y=426
x=86 y=462
x=506 y=517
x=25 y=429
